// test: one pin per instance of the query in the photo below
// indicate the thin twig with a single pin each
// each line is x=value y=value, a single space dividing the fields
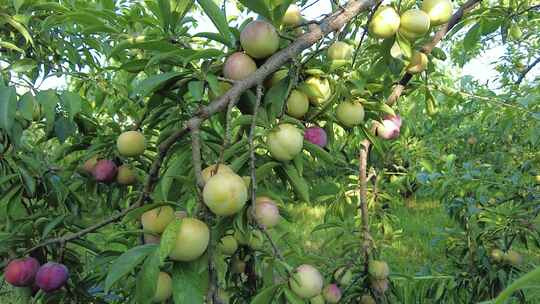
x=527 y=70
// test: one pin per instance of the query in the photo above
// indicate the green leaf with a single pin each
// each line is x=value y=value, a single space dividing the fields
x=404 y=45
x=218 y=18
x=276 y=97
x=190 y=281
x=48 y=101
x=126 y=262
x=10 y=46
x=298 y=183
x=64 y=128
x=147 y=279
x=264 y=170
x=292 y=298
x=472 y=37
x=317 y=151
x=266 y=295
x=51 y=225
x=19 y=27
x=258 y=6
x=196 y=89
x=72 y=103
x=141 y=43
x=168 y=239
x=26 y=106
x=25 y=65
x=152 y=83
x=28 y=181
x=8 y=107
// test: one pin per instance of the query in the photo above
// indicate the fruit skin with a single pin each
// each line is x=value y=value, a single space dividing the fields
x=306 y=282
x=285 y=142
x=350 y=113
x=317 y=90
x=343 y=279
x=385 y=22
x=191 y=241
x=317 y=300
x=222 y=89
x=515 y=32
x=414 y=24
x=419 y=62
x=292 y=16
x=156 y=220
x=297 y=104
x=21 y=272
x=439 y=11
x=228 y=245
x=472 y=141
x=131 y=143
x=225 y=194
x=380 y=286
x=208 y=172
x=378 y=270
x=332 y=293
x=367 y=299
x=390 y=127
x=537 y=179
x=90 y=164
x=513 y=258
x=340 y=50
x=259 y=39
x=125 y=175
x=497 y=255
x=163 y=289
x=265 y=212
x=51 y=276
x=316 y=136
x=105 y=171
x=239 y=66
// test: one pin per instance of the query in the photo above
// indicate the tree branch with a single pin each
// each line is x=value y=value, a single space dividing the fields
x=527 y=70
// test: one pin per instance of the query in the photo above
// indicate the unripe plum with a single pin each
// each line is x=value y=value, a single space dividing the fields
x=306 y=282
x=256 y=240
x=343 y=278
x=285 y=142
x=292 y=16
x=191 y=241
x=515 y=32
x=225 y=194
x=319 y=299
x=297 y=104
x=497 y=255
x=21 y=272
x=350 y=113
x=239 y=66
x=163 y=288
x=223 y=87
x=125 y=175
x=131 y=143
x=316 y=136
x=414 y=24
x=378 y=270
x=367 y=299
x=380 y=286
x=156 y=220
x=513 y=258
x=317 y=89
x=228 y=245
x=439 y=11
x=266 y=212
x=90 y=164
x=105 y=171
x=472 y=141
x=241 y=237
x=390 y=127
x=209 y=171
x=259 y=39
x=51 y=276
x=385 y=22
x=340 y=50
x=332 y=293
x=419 y=62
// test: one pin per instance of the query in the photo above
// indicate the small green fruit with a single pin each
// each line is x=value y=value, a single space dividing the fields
x=239 y=66
x=414 y=24
x=228 y=245
x=439 y=11
x=340 y=50
x=306 y=282
x=156 y=220
x=378 y=270
x=497 y=255
x=317 y=89
x=191 y=241
x=350 y=113
x=208 y=172
x=163 y=289
x=385 y=22
x=285 y=142
x=297 y=104
x=225 y=194
x=292 y=16
x=125 y=175
x=131 y=143
x=259 y=39
x=419 y=62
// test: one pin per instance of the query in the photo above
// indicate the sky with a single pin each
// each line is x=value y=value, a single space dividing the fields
x=480 y=68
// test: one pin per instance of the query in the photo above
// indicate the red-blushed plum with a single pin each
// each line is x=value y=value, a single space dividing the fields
x=51 y=276
x=21 y=272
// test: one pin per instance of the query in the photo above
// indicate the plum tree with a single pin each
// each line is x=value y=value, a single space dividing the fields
x=210 y=170
x=51 y=276
x=156 y=220
x=259 y=39
x=239 y=66
x=318 y=90
x=266 y=212
x=414 y=24
x=418 y=63
x=385 y=22
x=105 y=171
x=292 y=16
x=228 y=245
x=191 y=241
x=306 y=281
x=225 y=194
x=316 y=136
x=21 y=272
x=297 y=104
x=125 y=175
x=284 y=142
x=131 y=143
x=350 y=113
x=439 y=11
x=332 y=293
x=163 y=288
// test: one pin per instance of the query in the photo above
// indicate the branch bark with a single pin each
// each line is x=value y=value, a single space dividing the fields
x=527 y=70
